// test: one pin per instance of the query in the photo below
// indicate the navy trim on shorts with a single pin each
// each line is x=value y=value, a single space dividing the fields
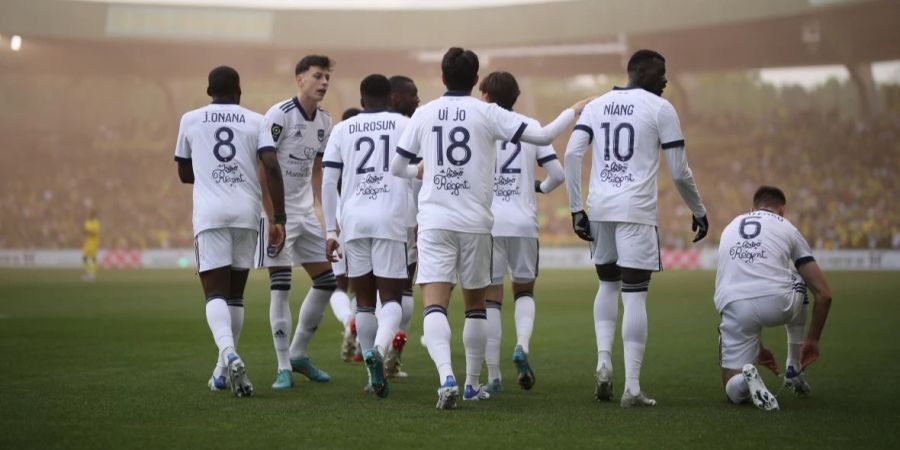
x=537 y=262
x=492 y=259
x=262 y=241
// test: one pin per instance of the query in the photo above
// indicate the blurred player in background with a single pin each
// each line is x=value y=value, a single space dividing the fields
x=297 y=130
x=630 y=124
x=456 y=137
x=217 y=152
x=405 y=100
x=373 y=227
x=341 y=303
x=91 y=246
x=765 y=266
x=515 y=232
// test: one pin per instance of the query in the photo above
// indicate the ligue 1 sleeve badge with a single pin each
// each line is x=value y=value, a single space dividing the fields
x=276 y=131
x=321 y=135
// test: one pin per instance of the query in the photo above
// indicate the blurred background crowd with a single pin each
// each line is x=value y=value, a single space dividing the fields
x=106 y=146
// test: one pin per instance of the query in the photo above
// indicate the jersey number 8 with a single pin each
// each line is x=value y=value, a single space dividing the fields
x=224 y=142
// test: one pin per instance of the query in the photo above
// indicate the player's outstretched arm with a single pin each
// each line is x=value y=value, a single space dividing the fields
x=578 y=142
x=676 y=158
x=555 y=177
x=186 y=171
x=815 y=279
x=275 y=188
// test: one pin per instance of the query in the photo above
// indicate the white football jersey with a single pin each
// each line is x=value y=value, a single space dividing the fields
x=298 y=139
x=627 y=128
x=456 y=137
x=220 y=140
x=515 y=204
x=374 y=203
x=758 y=256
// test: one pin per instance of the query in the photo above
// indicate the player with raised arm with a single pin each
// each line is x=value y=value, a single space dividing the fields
x=405 y=100
x=626 y=128
x=373 y=226
x=515 y=232
x=216 y=152
x=297 y=130
x=456 y=137
x=765 y=266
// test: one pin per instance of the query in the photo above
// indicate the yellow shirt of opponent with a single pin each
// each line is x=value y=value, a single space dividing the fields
x=91 y=237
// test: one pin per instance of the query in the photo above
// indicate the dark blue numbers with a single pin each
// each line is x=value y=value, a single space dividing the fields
x=459 y=143
x=616 y=140
x=750 y=227
x=224 y=136
x=505 y=168
x=365 y=140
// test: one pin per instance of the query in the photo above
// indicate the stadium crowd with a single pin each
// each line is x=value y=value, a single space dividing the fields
x=841 y=178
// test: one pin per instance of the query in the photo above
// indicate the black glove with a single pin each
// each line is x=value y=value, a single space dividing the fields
x=537 y=187
x=701 y=226
x=582 y=225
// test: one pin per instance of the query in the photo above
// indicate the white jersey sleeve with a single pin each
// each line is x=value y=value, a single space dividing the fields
x=669 y=126
x=272 y=128
x=183 y=145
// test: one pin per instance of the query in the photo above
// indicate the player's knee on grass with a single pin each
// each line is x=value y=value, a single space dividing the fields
x=608 y=272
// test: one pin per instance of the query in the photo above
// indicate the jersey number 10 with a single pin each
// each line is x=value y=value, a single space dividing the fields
x=615 y=141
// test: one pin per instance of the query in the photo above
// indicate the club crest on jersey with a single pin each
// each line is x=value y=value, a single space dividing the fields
x=276 y=131
x=321 y=135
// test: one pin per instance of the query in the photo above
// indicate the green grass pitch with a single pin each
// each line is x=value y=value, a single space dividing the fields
x=123 y=363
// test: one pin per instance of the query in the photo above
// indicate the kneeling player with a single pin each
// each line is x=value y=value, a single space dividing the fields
x=215 y=152
x=757 y=286
x=373 y=220
x=515 y=232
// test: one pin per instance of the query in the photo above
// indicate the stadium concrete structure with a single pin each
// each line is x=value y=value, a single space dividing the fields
x=562 y=38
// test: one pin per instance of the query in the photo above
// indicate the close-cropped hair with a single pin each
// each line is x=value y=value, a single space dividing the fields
x=313 y=61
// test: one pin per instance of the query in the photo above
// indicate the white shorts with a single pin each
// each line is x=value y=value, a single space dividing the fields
x=340 y=268
x=304 y=243
x=630 y=245
x=411 y=249
x=742 y=323
x=384 y=257
x=445 y=256
x=517 y=255
x=222 y=247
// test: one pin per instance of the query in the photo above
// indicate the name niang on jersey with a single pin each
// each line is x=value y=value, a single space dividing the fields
x=377 y=125
x=216 y=117
x=614 y=109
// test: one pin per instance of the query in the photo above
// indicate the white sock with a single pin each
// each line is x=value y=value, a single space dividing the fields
x=436 y=329
x=634 y=334
x=280 y=320
x=309 y=318
x=524 y=319
x=219 y=321
x=794 y=330
x=737 y=390
x=606 y=314
x=388 y=323
x=366 y=327
x=494 y=336
x=408 y=307
x=474 y=342
x=236 y=310
x=340 y=306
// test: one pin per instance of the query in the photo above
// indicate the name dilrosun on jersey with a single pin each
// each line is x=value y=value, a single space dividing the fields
x=216 y=117
x=374 y=125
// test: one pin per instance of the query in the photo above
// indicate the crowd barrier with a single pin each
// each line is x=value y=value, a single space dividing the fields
x=550 y=258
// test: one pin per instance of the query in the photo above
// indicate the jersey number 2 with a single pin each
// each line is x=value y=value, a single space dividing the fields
x=505 y=169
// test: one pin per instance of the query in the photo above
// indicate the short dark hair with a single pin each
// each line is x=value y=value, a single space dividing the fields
x=768 y=196
x=223 y=80
x=375 y=86
x=313 y=61
x=460 y=69
x=642 y=57
x=399 y=82
x=502 y=88
x=350 y=112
